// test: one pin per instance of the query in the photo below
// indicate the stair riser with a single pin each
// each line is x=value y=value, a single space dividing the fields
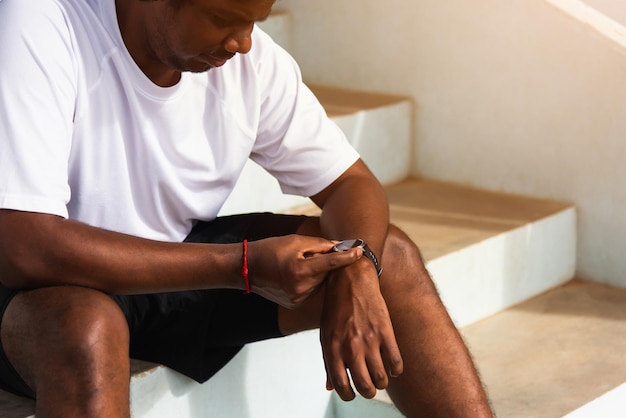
x=383 y=138
x=492 y=275
x=274 y=378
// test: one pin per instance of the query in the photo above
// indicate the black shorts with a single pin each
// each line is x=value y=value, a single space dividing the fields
x=197 y=332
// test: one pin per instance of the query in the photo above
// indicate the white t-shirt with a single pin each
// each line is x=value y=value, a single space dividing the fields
x=84 y=134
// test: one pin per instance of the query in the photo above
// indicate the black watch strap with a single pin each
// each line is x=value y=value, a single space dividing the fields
x=370 y=254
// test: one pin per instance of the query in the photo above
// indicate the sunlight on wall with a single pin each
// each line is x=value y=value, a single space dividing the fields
x=614 y=9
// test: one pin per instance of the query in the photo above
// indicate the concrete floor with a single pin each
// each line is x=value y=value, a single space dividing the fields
x=554 y=353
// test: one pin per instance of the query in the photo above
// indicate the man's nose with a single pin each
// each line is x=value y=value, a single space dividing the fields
x=239 y=41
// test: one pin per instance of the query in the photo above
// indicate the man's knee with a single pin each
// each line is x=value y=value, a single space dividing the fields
x=70 y=315
x=56 y=328
x=403 y=264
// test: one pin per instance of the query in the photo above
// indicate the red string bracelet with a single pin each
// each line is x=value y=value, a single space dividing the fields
x=244 y=269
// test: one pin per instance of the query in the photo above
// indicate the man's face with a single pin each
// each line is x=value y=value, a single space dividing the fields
x=198 y=35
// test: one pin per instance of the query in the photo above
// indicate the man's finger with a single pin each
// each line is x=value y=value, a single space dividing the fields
x=338 y=375
x=341 y=382
x=361 y=379
x=334 y=260
x=377 y=370
x=329 y=383
x=391 y=356
x=322 y=246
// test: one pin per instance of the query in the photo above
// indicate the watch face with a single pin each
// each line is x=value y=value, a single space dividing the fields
x=347 y=244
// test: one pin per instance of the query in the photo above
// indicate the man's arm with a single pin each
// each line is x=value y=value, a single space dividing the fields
x=39 y=250
x=356 y=330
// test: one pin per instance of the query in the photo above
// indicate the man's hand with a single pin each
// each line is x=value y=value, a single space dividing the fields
x=289 y=269
x=356 y=333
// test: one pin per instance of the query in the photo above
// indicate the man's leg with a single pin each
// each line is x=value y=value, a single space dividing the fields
x=439 y=378
x=70 y=345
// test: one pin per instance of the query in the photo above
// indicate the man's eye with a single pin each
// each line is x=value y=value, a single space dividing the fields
x=219 y=20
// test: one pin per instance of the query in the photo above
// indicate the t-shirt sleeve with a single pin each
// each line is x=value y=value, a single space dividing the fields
x=297 y=142
x=37 y=93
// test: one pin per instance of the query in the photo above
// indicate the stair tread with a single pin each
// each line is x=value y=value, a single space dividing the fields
x=554 y=353
x=444 y=217
x=340 y=102
x=12 y=406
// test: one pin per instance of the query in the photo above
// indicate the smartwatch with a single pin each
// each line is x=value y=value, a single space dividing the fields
x=359 y=243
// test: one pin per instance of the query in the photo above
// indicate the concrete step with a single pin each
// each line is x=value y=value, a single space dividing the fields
x=559 y=354
x=611 y=404
x=486 y=251
x=378 y=125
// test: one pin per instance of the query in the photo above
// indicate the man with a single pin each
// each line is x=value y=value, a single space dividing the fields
x=125 y=125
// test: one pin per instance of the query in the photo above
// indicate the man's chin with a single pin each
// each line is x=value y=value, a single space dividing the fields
x=199 y=70
x=199 y=64
x=197 y=67
x=192 y=66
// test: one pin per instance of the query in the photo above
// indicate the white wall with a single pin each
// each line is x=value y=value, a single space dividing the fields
x=514 y=95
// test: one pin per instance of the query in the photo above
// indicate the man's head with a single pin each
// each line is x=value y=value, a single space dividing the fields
x=175 y=3
x=190 y=35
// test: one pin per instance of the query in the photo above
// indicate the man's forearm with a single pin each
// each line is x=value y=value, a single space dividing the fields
x=38 y=250
x=355 y=329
